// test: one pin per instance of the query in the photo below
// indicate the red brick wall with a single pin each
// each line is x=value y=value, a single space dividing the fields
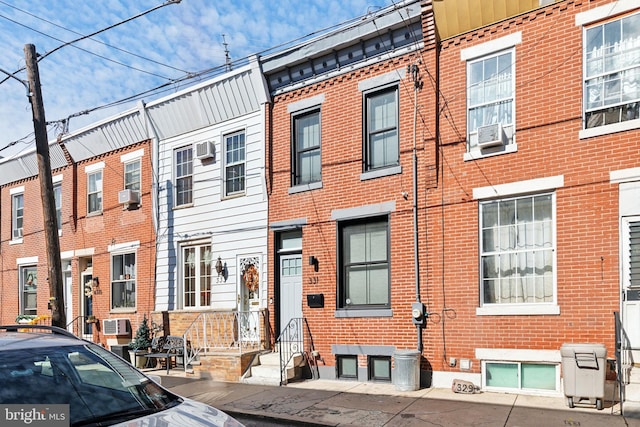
x=114 y=226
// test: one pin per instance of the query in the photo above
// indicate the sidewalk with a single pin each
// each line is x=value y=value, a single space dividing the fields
x=345 y=403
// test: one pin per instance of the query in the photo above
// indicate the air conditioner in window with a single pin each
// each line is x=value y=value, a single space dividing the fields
x=128 y=197
x=205 y=150
x=115 y=326
x=17 y=234
x=490 y=135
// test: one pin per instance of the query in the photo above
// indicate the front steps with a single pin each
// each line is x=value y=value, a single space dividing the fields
x=266 y=371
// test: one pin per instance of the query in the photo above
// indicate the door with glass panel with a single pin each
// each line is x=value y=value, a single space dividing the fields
x=630 y=250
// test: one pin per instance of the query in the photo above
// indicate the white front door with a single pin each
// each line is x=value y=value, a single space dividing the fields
x=249 y=296
x=290 y=288
x=630 y=249
x=68 y=300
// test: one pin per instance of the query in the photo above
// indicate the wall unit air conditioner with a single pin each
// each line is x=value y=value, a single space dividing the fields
x=115 y=326
x=128 y=197
x=490 y=135
x=205 y=150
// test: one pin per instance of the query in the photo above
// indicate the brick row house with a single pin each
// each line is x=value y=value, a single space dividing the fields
x=425 y=180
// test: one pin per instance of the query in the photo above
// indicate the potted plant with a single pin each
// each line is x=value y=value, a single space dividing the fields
x=141 y=343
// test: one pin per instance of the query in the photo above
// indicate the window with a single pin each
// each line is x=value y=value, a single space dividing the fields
x=234 y=168
x=381 y=129
x=94 y=192
x=347 y=367
x=29 y=290
x=123 y=280
x=57 y=196
x=306 y=148
x=517 y=250
x=17 y=216
x=196 y=275
x=184 y=176
x=612 y=72
x=364 y=258
x=132 y=175
x=490 y=99
x=380 y=368
x=519 y=376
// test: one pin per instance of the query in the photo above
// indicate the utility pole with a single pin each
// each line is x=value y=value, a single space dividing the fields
x=54 y=266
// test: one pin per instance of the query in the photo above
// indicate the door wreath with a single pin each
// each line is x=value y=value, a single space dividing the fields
x=251 y=278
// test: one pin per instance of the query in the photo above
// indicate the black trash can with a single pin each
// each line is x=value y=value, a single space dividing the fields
x=122 y=351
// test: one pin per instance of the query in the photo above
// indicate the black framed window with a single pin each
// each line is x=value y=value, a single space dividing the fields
x=347 y=366
x=381 y=128
x=379 y=368
x=306 y=148
x=364 y=263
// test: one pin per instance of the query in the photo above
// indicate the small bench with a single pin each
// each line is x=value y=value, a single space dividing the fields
x=166 y=348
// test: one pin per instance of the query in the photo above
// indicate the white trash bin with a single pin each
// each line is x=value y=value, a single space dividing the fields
x=584 y=370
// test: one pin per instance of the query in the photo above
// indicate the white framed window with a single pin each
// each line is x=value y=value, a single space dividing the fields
x=534 y=377
x=123 y=280
x=17 y=216
x=183 y=176
x=28 y=289
x=132 y=179
x=196 y=275
x=306 y=161
x=94 y=192
x=517 y=250
x=612 y=72
x=235 y=163
x=57 y=197
x=381 y=146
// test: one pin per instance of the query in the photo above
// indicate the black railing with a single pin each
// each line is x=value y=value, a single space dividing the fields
x=78 y=326
x=624 y=360
x=295 y=339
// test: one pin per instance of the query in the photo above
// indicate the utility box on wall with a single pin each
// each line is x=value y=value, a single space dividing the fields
x=315 y=300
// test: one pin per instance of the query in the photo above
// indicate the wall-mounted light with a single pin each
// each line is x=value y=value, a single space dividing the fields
x=314 y=262
x=96 y=282
x=219 y=269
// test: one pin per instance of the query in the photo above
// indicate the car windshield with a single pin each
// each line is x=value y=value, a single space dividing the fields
x=97 y=385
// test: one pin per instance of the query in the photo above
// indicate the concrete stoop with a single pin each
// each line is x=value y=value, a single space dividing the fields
x=267 y=369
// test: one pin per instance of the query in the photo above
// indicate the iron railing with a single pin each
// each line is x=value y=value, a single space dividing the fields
x=228 y=331
x=624 y=360
x=295 y=339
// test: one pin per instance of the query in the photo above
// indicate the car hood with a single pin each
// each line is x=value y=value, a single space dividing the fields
x=188 y=413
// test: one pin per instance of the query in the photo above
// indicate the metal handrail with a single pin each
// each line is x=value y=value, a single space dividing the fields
x=624 y=359
x=228 y=331
x=295 y=339
x=77 y=326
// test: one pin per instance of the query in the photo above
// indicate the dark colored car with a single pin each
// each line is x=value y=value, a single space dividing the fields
x=45 y=365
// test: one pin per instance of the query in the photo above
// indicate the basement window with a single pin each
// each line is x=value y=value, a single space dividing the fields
x=347 y=367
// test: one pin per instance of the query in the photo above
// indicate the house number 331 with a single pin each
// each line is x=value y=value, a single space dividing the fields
x=313 y=280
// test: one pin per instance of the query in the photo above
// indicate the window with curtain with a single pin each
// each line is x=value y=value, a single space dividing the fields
x=17 y=216
x=123 y=280
x=29 y=290
x=381 y=129
x=196 y=276
x=364 y=258
x=94 y=192
x=235 y=163
x=490 y=88
x=517 y=250
x=306 y=148
x=612 y=72
x=183 y=176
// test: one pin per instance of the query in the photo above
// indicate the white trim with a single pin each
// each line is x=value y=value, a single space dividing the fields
x=520 y=309
x=303 y=104
x=94 y=167
x=491 y=46
x=476 y=153
x=85 y=252
x=520 y=187
x=518 y=355
x=602 y=12
x=608 y=129
x=123 y=246
x=363 y=211
x=384 y=79
x=134 y=155
x=56 y=179
x=66 y=255
x=624 y=175
x=27 y=260
x=17 y=190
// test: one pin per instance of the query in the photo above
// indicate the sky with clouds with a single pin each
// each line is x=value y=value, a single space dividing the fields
x=159 y=48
